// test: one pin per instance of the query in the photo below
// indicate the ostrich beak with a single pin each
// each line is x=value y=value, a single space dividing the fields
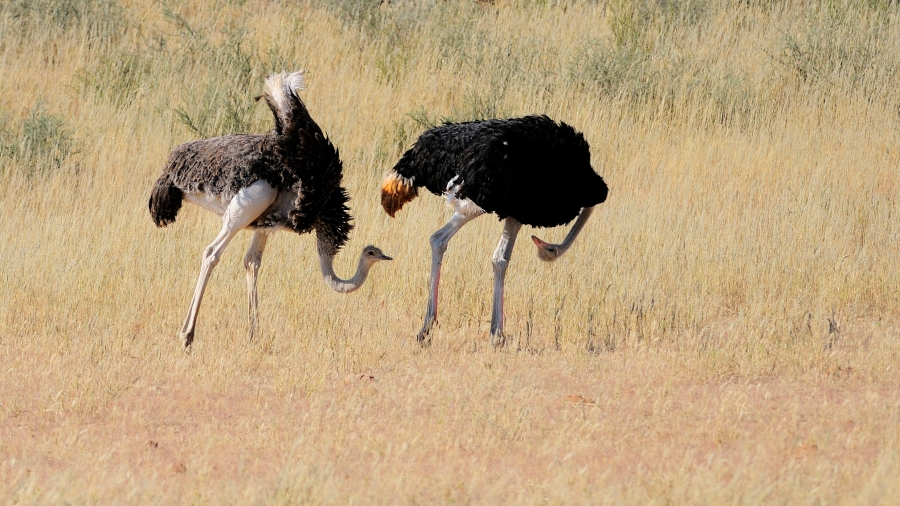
x=539 y=243
x=385 y=257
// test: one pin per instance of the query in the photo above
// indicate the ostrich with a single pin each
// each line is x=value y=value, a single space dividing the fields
x=529 y=170
x=289 y=178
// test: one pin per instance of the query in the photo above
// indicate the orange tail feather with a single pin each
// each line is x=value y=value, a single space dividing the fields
x=396 y=191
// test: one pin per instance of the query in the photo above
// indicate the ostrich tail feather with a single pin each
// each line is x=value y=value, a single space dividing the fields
x=282 y=86
x=165 y=201
x=282 y=95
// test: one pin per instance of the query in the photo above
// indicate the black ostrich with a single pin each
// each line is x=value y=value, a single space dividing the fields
x=289 y=178
x=529 y=170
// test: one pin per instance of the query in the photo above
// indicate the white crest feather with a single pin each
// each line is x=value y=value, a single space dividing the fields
x=279 y=85
x=296 y=81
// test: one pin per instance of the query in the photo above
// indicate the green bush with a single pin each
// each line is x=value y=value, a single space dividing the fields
x=38 y=144
x=101 y=21
x=117 y=77
x=232 y=68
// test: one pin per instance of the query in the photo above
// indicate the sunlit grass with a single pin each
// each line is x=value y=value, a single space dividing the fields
x=725 y=329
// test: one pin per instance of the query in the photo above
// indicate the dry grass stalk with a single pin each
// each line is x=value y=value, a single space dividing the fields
x=727 y=326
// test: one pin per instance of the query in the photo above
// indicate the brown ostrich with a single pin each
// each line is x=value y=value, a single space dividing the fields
x=286 y=179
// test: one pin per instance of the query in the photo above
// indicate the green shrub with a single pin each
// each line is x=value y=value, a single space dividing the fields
x=38 y=144
x=621 y=71
x=117 y=77
x=222 y=102
x=101 y=21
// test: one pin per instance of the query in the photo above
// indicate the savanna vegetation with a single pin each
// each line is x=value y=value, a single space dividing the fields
x=726 y=329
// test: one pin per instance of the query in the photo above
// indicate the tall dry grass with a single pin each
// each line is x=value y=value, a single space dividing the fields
x=725 y=330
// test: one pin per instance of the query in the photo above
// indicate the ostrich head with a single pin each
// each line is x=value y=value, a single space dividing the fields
x=549 y=252
x=372 y=254
x=546 y=251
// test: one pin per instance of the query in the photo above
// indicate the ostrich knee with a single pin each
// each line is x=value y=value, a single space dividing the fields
x=439 y=243
x=252 y=262
x=500 y=264
x=211 y=256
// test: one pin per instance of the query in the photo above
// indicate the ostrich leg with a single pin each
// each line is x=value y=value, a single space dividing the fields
x=502 y=255
x=243 y=209
x=438 y=246
x=251 y=262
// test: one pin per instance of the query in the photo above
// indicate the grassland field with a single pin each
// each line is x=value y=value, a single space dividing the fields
x=726 y=330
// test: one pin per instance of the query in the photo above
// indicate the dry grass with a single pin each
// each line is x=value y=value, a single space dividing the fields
x=726 y=330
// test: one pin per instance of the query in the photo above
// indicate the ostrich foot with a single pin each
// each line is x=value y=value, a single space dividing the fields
x=187 y=338
x=499 y=339
x=423 y=338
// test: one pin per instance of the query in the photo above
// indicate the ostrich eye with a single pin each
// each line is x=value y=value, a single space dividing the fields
x=551 y=250
x=371 y=252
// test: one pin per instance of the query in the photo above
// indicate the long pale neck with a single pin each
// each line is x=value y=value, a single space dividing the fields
x=326 y=264
x=575 y=230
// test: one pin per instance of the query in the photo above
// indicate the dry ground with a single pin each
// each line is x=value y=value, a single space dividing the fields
x=447 y=425
x=726 y=330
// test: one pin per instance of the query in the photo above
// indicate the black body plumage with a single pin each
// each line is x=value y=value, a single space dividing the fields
x=295 y=155
x=532 y=168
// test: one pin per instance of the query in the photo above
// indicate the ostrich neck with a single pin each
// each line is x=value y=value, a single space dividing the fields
x=576 y=229
x=326 y=264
